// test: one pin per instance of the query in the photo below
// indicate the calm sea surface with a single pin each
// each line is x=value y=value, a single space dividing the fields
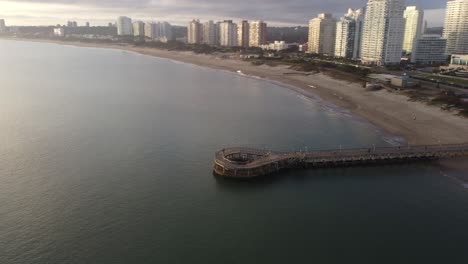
x=105 y=157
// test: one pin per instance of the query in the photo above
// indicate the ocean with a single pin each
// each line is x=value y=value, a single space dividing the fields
x=106 y=155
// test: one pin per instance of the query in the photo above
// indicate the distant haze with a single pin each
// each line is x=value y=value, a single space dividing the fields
x=100 y=12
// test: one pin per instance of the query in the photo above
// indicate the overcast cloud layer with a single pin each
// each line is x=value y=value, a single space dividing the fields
x=279 y=12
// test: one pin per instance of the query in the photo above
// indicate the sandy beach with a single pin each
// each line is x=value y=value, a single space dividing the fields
x=417 y=122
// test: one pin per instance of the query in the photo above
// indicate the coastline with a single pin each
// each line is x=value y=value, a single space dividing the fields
x=416 y=122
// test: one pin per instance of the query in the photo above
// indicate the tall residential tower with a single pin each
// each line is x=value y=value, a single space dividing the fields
x=384 y=30
x=139 y=29
x=414 y=19
x=257 y=34
x=195 y=32
x=349 y=34
x=456 y=27
x=124 y=26
x=228 y=34
x=209 y=33
x=2 y=26
x=243 y=33
x=322 y=35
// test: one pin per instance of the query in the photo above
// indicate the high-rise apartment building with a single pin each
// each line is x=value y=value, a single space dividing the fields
x=2 y=26
x=72 y=24
x=384 y=29
x=414 y=20
x=349 y=34
x=195 y=32
x=158 y=31
x=228 y=34
x=139 y=29
x=456 y=27
x=243 y=34
x=217 y=33
x=152 y=30
x=165 y=31
x=209 y=33
x=322 y=35
x=124 y=26
x=257 y=33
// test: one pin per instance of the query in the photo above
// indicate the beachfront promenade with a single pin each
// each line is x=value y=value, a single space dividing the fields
x=249 y=162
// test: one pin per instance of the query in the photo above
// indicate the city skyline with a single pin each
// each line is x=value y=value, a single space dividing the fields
x=178 y=12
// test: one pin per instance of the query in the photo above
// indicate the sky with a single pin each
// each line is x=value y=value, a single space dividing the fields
x=179 y=12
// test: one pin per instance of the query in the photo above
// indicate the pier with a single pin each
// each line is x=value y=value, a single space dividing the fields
x=250 y=162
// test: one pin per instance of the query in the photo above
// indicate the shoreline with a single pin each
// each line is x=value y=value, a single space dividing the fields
x=389 y=112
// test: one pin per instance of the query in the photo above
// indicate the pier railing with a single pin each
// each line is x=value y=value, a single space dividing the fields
x=251 y=162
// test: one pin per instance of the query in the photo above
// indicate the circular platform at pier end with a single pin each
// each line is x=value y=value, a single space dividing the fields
x=249 y=162
x=239 y=162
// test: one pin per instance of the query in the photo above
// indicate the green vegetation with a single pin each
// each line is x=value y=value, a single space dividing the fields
x=445 y=100
x=342 y=71
x=442 y=79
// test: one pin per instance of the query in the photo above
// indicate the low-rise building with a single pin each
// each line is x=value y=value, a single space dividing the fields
x=402 y=81
x=398 y=81
x=249 y=56
x=59 y=32
x=459 y=61
x=304 y=48
x=429 y=49
x=278 y=45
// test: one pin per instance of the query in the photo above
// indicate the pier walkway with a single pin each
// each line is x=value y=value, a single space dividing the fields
x=249 y=162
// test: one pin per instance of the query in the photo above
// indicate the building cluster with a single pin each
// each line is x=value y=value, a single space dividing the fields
x=155 y=31
x=72 y=29
x=72 y=24
x=227 y=33
x=278 y=45
x=381 y=33
x=385 y=30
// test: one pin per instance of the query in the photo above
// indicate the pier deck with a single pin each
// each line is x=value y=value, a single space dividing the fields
x=249 y=162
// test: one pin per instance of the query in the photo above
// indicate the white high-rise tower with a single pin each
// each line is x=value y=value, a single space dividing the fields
x=349 y=34
x=257 y=33
x=209 y=33
x=322 y=35
x=124 y=26
x=195 y=32
x=384 y=29
x=456 y=27
x=228 y=34
x=413 y=28
x=2 y=25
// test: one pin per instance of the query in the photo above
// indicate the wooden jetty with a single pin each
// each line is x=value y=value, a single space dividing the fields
x=250 y=162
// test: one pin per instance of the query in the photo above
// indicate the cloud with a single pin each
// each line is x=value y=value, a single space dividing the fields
x=179 y=11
